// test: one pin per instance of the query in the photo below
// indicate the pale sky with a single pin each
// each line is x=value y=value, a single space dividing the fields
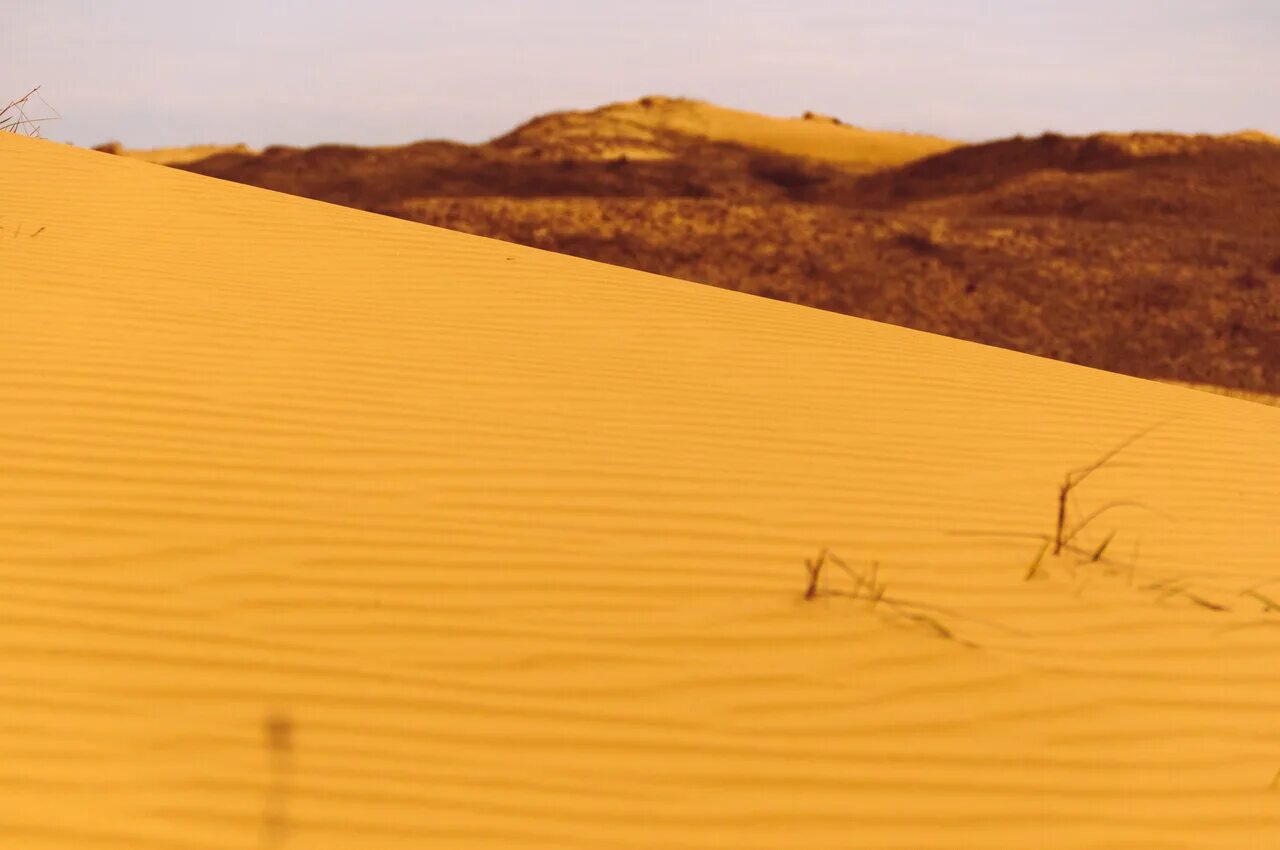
x=301 y=72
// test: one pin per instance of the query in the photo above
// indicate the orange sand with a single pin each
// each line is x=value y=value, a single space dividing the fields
x=325 y=530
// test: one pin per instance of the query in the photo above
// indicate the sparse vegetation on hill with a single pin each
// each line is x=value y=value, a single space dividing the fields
x=1153 y=255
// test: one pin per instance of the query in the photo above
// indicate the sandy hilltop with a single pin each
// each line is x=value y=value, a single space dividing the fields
x=323 y=529
x=658 y=127
x=1149 y=254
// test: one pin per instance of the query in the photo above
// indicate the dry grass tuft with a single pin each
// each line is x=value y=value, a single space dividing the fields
x=867 y=587
x=1073 y=479
x=1063 y=537
x=14 y=118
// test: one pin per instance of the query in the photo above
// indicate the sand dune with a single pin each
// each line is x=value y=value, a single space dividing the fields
x=639 y=129
x=326 y=530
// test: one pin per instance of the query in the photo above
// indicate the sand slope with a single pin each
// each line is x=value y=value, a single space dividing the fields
x=325 y=530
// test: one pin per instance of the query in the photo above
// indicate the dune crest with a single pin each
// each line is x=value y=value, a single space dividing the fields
x=325 y=530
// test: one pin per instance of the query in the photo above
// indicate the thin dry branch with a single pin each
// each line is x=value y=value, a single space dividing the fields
x=814 y=568
x=1268 y=603
x=1033 y=569
x=1128 y=503
x=1102 y=548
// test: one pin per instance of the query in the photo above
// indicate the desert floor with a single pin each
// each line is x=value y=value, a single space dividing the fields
x=320 y=529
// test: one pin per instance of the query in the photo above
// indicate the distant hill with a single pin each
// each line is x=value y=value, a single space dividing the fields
x=1150 y=254
x=1232 y=180
x=659 y=127
x=172 y=156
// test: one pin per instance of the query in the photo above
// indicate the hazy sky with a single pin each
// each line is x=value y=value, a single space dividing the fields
x=171 y=72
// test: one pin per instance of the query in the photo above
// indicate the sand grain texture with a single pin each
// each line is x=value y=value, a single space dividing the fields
x=320 y=529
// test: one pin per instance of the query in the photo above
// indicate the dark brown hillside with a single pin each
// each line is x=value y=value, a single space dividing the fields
x=1233 y=181
x=384 y=177
x=1154 y=255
